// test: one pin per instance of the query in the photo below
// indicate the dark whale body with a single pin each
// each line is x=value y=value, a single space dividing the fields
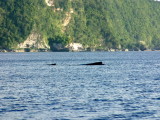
x=95 y=63
x=52 y=64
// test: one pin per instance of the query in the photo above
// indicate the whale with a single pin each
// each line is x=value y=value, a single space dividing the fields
x=95 y=63
x=52 y=64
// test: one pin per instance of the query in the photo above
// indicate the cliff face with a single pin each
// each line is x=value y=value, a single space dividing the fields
x=67 y=19
x=35 y=41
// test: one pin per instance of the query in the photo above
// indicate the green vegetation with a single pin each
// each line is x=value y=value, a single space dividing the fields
x=16 y=22
x=58 y=43
x=97 y=24
x=118 y=24
x=19 y=18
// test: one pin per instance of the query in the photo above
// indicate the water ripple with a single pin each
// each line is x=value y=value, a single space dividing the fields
x=126 y=88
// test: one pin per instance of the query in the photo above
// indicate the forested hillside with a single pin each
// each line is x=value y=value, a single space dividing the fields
x=97 y=24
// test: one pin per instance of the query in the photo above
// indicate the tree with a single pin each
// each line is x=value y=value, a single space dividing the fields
x=59 y=42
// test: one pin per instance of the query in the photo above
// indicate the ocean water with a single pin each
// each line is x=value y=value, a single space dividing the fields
x=127 y=87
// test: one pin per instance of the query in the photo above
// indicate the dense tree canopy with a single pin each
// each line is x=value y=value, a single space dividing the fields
x=97 y=24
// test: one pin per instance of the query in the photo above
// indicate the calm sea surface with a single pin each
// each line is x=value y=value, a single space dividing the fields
x=126 y=88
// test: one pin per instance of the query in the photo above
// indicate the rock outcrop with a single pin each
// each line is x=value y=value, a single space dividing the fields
x=68 y=17
x=34 y=41
x=75 y=47
x=50 y=2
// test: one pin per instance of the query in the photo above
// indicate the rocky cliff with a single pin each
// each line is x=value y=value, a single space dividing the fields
x=35 y=40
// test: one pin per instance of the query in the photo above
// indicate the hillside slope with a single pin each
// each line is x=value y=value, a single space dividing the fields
x=96 y=24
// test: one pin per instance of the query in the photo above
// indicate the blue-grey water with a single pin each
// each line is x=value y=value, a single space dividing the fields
x=127 y=87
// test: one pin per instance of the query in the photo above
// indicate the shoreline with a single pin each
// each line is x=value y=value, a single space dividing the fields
x=46 y=50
